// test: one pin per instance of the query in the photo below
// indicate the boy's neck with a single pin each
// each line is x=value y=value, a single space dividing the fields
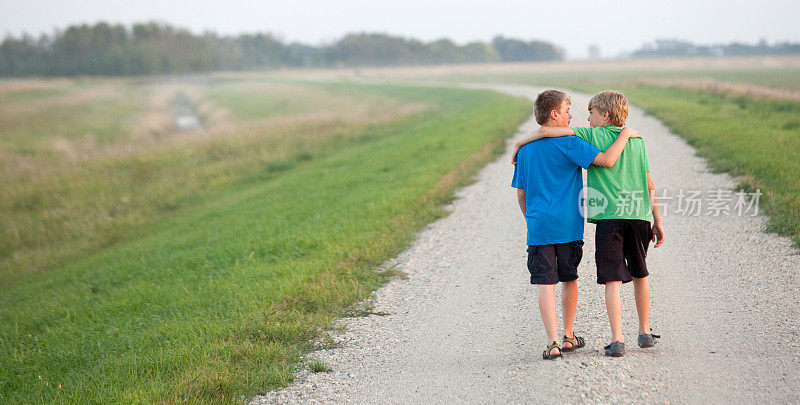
x=552 y=124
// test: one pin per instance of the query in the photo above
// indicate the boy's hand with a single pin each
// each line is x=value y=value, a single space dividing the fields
x=630 y=133
x=658 y=234
x=514 y=154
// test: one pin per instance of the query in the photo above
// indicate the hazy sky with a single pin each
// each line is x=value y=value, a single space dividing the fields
x=616 y=26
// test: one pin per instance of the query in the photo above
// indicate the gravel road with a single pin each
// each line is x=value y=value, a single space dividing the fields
x=464 y=325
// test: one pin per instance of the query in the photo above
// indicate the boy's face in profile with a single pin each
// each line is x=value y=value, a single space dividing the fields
x=562 y=115
x=597 y=118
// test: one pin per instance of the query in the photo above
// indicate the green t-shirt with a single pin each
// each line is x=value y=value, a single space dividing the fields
x=618 y=192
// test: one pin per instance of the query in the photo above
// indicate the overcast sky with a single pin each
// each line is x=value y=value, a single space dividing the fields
x=616 y=26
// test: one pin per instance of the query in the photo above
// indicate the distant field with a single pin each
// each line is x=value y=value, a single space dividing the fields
x=779 y=72
x=780 y=78
x=144 y=264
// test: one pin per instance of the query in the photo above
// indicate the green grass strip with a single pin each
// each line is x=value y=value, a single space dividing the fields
x=219 y=303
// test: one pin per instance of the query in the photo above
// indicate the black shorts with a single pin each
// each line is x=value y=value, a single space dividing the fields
x=622 y=249
x=549 y=264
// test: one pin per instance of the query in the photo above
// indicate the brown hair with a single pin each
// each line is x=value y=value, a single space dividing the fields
x=612 y=102
x=547 y=101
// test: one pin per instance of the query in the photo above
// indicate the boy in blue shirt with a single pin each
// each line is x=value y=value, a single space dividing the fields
x=549 y=181
x=623 y=231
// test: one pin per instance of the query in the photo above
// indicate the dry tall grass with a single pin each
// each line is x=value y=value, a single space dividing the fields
x=72 y=186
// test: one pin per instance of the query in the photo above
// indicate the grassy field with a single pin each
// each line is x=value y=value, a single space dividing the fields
x=154 y=265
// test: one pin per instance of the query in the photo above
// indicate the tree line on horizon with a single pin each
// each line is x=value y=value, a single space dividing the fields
x=679 y=48
x=154 y=48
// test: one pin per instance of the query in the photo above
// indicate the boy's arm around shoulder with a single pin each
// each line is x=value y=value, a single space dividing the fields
x=542 y=132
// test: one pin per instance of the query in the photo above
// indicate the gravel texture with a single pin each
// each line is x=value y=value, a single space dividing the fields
x=464 y=325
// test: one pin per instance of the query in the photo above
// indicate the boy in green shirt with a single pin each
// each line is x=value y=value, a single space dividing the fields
x=621 y=199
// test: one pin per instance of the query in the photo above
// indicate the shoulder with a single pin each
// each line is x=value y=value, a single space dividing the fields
x=526 y=150
x=542 y=143
x=636 y=152
x=606 y=132
x=564 y=142
x=636 y=144
x=583 y=132
x=575 y=141
x=574 y=146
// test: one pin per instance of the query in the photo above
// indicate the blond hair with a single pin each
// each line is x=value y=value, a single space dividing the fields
x=612 y=102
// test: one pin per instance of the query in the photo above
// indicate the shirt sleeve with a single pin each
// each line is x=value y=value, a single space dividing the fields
x=646 y=159
x=584 y=133
x=580 y=152
x=519 y=175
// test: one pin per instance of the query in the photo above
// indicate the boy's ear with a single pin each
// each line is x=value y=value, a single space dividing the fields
x=606 y=115
x=553 y=114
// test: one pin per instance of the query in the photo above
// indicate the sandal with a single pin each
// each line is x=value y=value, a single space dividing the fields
x=576 y=341
x=615 y=349
x=546 y=354
x=647 y=340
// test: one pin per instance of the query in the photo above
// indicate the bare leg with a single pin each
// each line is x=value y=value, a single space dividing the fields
x=547 y=308
x=569 y=306
x=614 y=309
x=641 y=290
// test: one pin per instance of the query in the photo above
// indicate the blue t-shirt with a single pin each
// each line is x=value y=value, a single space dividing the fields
x=549 y=170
